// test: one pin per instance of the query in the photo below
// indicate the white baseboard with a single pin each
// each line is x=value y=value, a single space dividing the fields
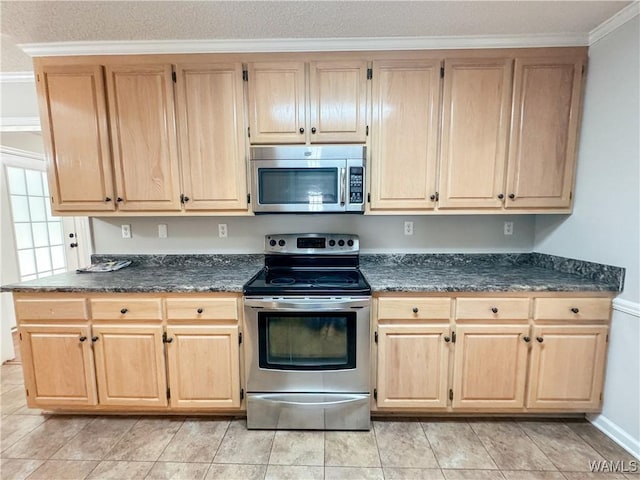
x=617 y=434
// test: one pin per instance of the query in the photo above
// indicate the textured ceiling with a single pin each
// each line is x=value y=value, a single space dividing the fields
x=59 y=21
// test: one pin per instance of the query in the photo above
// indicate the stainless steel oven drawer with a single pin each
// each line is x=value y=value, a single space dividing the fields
x=308 y=411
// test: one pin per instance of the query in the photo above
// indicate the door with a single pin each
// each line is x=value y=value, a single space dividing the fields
x=546 y=114
x=567 y=367
x=490 y=366
x=406 y=99
x=209 y=102
x=413 y=366
x=204 y=369
x=74 y=114
x=338 y=98
x=277 y=102
x=475 y=131
x=142 y=116
x=58 y=365
x=130 y=365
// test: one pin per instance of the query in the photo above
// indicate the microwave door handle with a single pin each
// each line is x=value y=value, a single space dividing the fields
x=343 y=186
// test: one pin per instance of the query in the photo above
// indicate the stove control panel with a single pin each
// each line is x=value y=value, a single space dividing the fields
x=312 y=244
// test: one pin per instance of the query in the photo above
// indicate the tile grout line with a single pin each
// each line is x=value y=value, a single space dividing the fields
x=220 y=444
x=483 y=446
x=375 y=439
x=430 y=446
x=537 y=445
x=22 y=436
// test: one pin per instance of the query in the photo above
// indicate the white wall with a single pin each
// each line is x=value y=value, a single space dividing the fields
x=377 y=233
x=605 y=225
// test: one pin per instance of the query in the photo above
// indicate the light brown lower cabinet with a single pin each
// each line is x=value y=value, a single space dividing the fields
x=58 y=365
x=130 y=365
x=197 y=384
x=493 y=355
x=130 y=357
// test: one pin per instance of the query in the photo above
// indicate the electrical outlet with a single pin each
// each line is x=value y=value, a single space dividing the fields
x=162 y=230
x=508 y=228
x=408 y=228
x=126 y=231
x=222 y=230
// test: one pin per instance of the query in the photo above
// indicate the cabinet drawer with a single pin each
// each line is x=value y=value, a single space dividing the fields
x=52 y=309
x=202 y=309
x=492 y=308
x=572 y=309
x=126 y=308
x=414 y=308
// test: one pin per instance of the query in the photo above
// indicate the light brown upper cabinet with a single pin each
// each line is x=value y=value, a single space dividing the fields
x=404 y=137
x=145 y=151
x=475 y=128
x=74 y=125
x=209 y=99
x=546 y=111
x=280 y=111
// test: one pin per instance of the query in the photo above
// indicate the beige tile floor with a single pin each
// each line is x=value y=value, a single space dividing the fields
x=40 y=446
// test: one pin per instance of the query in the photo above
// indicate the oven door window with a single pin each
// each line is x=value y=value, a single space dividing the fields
x=288 y=186
x=307 y=341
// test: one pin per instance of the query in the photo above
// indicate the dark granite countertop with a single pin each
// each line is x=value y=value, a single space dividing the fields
x=532 y=272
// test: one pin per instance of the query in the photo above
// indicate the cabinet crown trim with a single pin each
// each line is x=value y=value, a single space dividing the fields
x=51 y=49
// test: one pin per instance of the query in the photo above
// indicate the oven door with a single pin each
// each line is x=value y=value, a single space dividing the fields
x=307 y=345
x=308 y=186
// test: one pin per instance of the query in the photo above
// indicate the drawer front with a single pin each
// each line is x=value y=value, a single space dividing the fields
x=52 y=309
x=126 y=308
x=202 y=309
x=492 y=308
x=572 y=309
x=414 y=308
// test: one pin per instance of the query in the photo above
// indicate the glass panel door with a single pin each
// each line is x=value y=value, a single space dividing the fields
x=307 y=341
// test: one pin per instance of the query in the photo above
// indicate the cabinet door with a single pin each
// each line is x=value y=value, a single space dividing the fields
x=58 y=365
x=210 y=124
x=74 y=125
x=406 y=99
x=475 y=130
x=546 y=114
x=567 y=367
x=413 y=366
x=490 y=366
x=130 y=365
x=338 y=97
x=204 y=369
x=145 y=152
x=277 y=102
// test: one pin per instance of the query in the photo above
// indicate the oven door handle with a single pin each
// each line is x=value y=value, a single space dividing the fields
x=284 y=399
x=303 y=306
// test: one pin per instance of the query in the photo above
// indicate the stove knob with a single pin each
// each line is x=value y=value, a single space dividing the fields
x=341 y=243
x=281 y=243
x=332 y=243
x=350 y=243
x=272 y=243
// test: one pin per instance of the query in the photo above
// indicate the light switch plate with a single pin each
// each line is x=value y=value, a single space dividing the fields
x=222 y=230
x=162 y=230
x=126 y=231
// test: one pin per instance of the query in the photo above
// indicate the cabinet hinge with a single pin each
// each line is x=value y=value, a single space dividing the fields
x=367 y=131
x=249 y=132
x=38 y=77
x=174 y=77
x=441 y=72
x=453 y=337
x=606 y=339
x=368 y=198
x=601 y=396
x=369 y=73
x=27 y=391
x=52 y=201
x=375 y=393
x=451 y=394
x=239 y=338
x=241 y=393
x=582 y=69
x=570 y=195
x=182 y=198
x=437 y=196
x=20 y=335
x=168 y=393
x=245 y=75
x=375 y=337
x=248 y=198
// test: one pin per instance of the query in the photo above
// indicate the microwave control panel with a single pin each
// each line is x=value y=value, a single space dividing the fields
x=356 y=184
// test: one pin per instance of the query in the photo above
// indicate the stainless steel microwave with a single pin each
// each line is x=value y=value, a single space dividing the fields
x=308 y=179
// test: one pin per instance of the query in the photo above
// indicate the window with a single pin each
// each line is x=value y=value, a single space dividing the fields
x=39 y=236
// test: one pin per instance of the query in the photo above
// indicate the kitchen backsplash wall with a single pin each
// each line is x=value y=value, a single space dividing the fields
x=480 y=233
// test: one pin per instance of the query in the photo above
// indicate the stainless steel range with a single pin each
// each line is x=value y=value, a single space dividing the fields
x=308 y=335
